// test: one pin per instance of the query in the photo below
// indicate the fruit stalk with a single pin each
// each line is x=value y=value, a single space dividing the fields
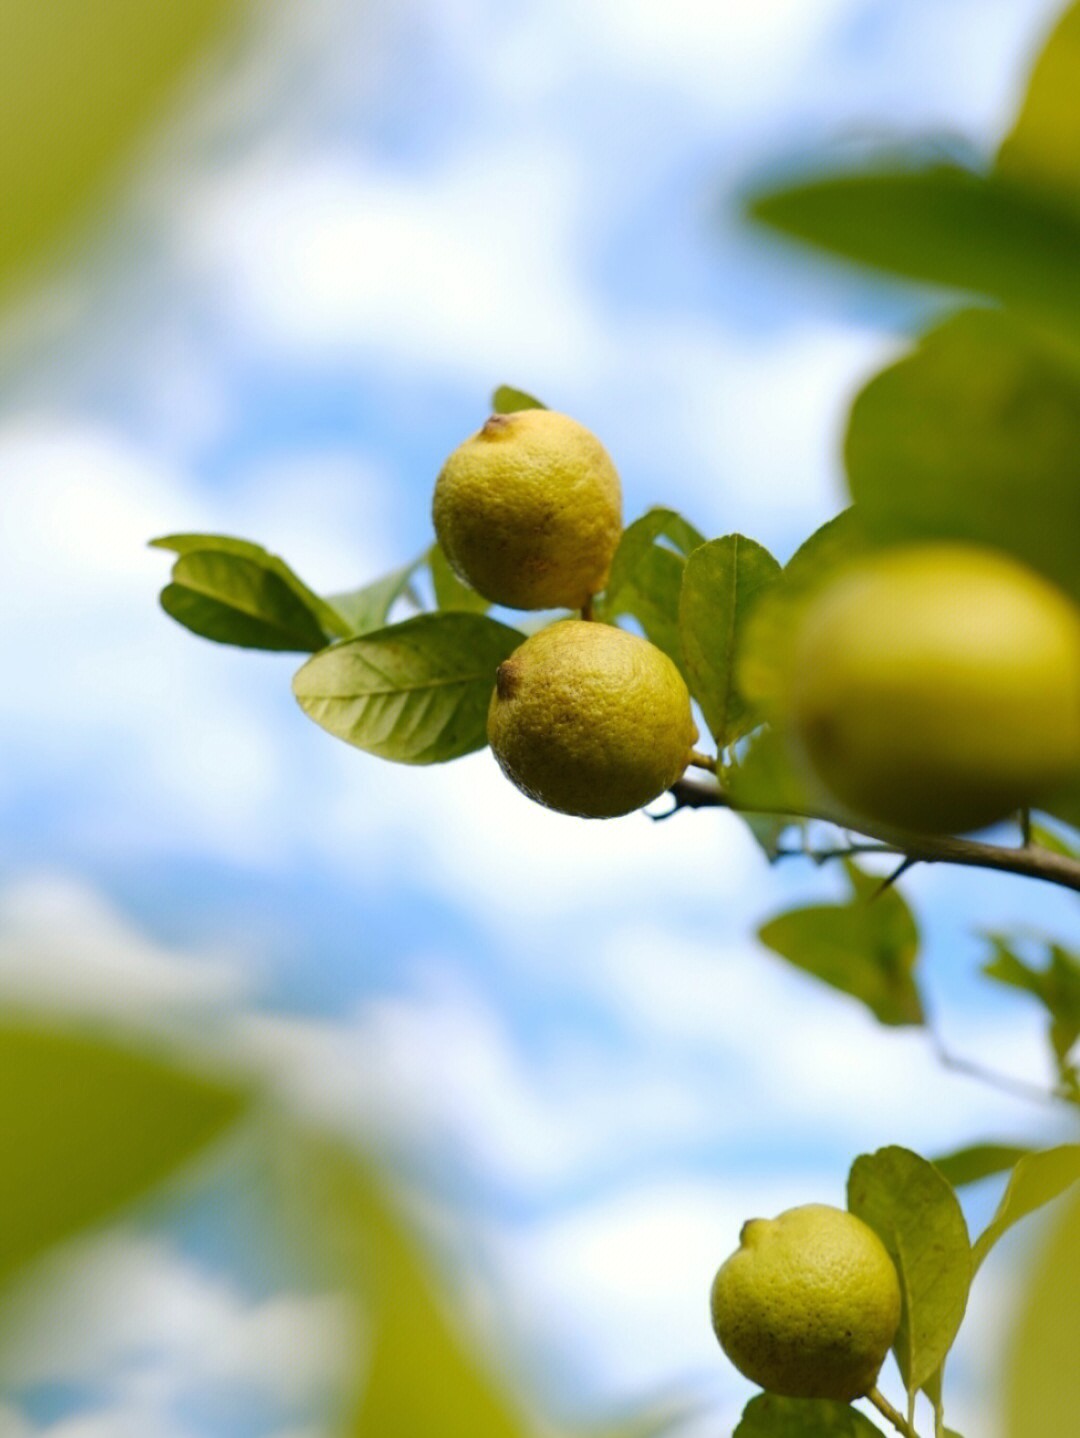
x=896 y=1418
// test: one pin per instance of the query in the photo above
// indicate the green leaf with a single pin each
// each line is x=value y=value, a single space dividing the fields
x=1042 y=1382
x=417 y=692
x=1036 y=1180
x=866 y=948
x=973 y=436
x=450 y=592
x=978 y=1161
x=646 y=578
x=915 y=1213
x=1056 y=986
x=367 y=608
x=1043 y=146
x=236 y=601
x=767 y=780
x=88 y=1125
x=981 y=234
x=82 y=84
x=1054 y=842
x=768 y=1416
x=721 y=584
x=507 y=400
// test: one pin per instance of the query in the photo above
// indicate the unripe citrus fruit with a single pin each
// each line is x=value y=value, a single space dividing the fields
x=590 y=720
x=937 y=687
x=809 y=1304
x=529 y=511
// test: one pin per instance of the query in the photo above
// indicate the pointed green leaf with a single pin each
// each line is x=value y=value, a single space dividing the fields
x=1043 y=146
x=915 y=1213
x=866 y=948
x=507 y=400
x=979 y=234
x=417 y=692
x=721 y=584
x=768 y=1416
x=1042 y=1384
x=1037 y=1179
x=368 y=608
x=236 y=601
x=88 y=1125
x=978 y=1161
x=450 y=592
x=646 y=577
x=973 y=436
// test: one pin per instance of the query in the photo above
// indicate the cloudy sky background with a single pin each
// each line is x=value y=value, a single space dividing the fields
x=380 y=213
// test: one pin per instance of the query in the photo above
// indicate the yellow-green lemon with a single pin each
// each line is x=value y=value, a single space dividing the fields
x=529 y=511
x=809 y=1304
x=937 y=687
x=590 y=720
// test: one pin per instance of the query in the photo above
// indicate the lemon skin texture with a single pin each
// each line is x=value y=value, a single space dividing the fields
x=937 y=688
x=809 y=1304
x=590 y=720
x=529 y=511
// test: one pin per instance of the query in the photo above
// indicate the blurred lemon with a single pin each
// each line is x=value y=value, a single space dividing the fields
x=590 y=720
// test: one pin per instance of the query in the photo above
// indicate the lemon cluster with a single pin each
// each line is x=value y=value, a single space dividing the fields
x=585 y=718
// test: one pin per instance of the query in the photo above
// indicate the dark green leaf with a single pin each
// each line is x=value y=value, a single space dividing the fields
x=87 y=1125
x=915 y=1213
x=866 y=948
x=1037 y=1179
x=1042 y=1387
x=416 y=692
x=721 y=584
x=768 y=1416
x=978 y=1161
x=235 y=601
x=507 y=400
x=973 y=436
x=450 y=592
x=1065 y=805
x=1044 y=145
x=980 y=234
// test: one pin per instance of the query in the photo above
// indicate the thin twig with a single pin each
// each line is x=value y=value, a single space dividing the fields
x=895 y=1417
x=1031 y=863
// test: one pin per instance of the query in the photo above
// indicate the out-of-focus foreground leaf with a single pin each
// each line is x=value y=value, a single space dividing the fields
x=1037 y=1179
x=79 y=84
x=978 y=1161
x=768 y=1416
x=1042 y=1382
x=1044 y=144
x=86 y=1125
x=973 y=436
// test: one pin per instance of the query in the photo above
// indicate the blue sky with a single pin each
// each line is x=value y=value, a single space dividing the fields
x=315 y=283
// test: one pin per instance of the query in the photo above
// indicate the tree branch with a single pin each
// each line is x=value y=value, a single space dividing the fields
x=1029 y=860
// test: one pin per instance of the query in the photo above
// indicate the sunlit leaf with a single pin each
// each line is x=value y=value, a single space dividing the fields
x=87 y=1125
x=979 y=234
x=368 y=608
x=915 y=1213
x=768 y=1416
x=646 y=577
x=450 y=592
x=1043 y=146
x=507 y=400
x=79 y=86
x=978 y=1161
x=1037 y=1179
x=416 y=692
x=866 y=948
x=722 y=582
x=973 y=436
x=1042 y=1376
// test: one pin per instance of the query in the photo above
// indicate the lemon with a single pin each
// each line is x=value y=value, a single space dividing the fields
x=590 y=720
x=809 y=1304
x=937 y=687
x=529 y=511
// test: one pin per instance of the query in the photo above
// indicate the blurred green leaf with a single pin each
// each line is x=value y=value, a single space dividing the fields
x=417 y=692
x=450 y=592
x=721 y=583
x=978 y=1161
x=1054 y=842
x=1042 y=1376
x=1056 y=986
x=1043 y=146
x=507 y=400
x=915 y=1213
x=866 y=948
x=367 y=608
x=974 y=436
x=767 y=780
x=979 y=234
x=79 y=86
x=768 y=1416
x=1037 y=1179
x=87 y=1125
x=646 y=578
